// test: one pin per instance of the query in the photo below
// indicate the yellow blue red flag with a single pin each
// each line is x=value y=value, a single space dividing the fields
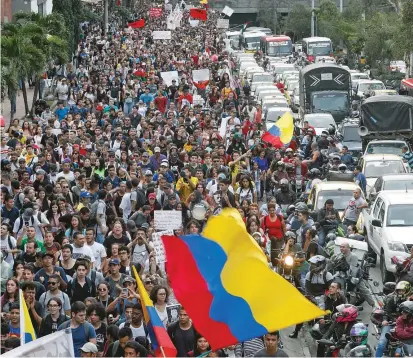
x=27 y=333
x=223 y=280
x=161 y=343
x=281 y=132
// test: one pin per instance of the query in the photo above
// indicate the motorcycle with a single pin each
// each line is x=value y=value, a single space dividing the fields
x=397 y=348
x=286 y=265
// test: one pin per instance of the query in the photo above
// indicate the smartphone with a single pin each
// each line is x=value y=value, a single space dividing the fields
x=125 y=291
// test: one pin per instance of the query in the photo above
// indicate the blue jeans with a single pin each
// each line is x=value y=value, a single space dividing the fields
x=127 y=107
x=382 y=341
x=322 y=237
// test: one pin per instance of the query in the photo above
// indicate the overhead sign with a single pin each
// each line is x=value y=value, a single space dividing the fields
x=227 y=11
x=155 y=12
x=222 y=23
x=200 y=75
x=167 y=220
x=161 y=35
x=169 y=76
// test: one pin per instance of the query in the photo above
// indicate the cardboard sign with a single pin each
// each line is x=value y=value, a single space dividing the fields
x=155 y=12
x=161 y=35
x=227 y=11
x=222 y=23
x=167 y=220
x=200 y=75
x=158 y=245
x=169 y=76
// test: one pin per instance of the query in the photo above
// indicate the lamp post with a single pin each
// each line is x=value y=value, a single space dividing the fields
x=312 y=18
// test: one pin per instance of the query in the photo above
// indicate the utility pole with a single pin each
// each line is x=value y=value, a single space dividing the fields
x=312 y=18
x=106 y=16
x=341 y=6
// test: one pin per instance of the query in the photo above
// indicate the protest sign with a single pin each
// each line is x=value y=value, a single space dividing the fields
x=200 y=75
x=227 y=11
x=167 y=219
x=194 y=23
x=223 y=128
x=222 y=23
x=169 y=76
x=158 y=245
x=155 y=12
x=58 y=344
x=173 y=313
x=161 y=35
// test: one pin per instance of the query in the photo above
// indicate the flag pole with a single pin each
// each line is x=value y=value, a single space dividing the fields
x=163 y=353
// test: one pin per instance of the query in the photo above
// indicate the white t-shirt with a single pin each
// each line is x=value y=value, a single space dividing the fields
x=69 y=176
x=212 y=187
x=5 y=246
x=99 y=253
x=245 y=194
x=126 y=206
x=84 y=250
x=136 y=332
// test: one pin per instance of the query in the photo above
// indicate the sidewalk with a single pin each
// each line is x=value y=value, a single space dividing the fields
x=20 y=112
x=294 y=347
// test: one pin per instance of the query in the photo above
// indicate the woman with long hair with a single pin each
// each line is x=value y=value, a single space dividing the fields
x=75 y=226
x=18 y=268
x=53 y=215
x=159 y=296
x=10 y=296
x=42 y=201
x=245 y=191
x=201 y=346
x=275 y=226
x=27 y=130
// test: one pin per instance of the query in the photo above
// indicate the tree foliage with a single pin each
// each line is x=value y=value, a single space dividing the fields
x=299 y=22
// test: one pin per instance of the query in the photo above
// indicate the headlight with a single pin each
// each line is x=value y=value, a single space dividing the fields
x=355 y=280
x=396 y=246
x=288 y=261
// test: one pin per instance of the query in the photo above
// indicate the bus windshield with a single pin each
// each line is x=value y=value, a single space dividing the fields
x=319 y=49
x=252 y=42
x=281 y=48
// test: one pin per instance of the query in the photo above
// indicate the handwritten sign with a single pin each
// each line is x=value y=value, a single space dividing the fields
x=167 y=220
x=158 y=245
x=222 y=23
x=200 y=75
x=161 y=35
x=169 y=76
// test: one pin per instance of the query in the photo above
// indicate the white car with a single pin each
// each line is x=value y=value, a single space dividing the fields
x=377 y=165
x=267 y=93
x=320 y=121
x=356 y=77
x=388 y=226
x=273 y=114
x=385 y=147
x=364 y=86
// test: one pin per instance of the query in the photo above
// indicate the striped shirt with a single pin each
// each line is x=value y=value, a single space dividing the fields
x=408 y=157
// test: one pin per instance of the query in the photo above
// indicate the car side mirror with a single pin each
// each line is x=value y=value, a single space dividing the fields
x=376 y=223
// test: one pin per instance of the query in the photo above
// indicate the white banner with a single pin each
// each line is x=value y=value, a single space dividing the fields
x=167 y=219
x=222 y=23
x=194 y=23
x=169 y=76
x=58 y=344
x=200 y=75
x=227 y=11
x=168 y=7
x=161 y=35
x=158 y=245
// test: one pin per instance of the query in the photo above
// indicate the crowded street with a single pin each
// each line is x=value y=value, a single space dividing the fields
x=177 y=182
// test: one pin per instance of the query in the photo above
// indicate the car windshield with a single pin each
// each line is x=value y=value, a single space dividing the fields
x=273 y=116
x=400 y=215
x=341 y=198
x=263 y=78
x=376 y=169
x=351 y=134
x=359 y=77
x=406 y=184
x=323 y=102
x=386 y=148
x=364 y=87
x=319 y=122
x=319 y=49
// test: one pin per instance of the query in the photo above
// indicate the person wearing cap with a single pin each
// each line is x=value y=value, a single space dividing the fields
x=89 y=349
x=145 y=163
x=114 y=278
x=85 y=197
x=165 y=172
x=157 y=158
x=49 y=269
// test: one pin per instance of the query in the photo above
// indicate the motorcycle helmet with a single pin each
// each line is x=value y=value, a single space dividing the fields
x=281 y=165
x=403 y=290
x=290 y=209
x=389 y=287
x=301 y=207
x=407 y=307
x=289 y=150
x=331 y=237
x=336 y=158
x=377 y=316
x=342 y=168
x=315 y=173
x=347 y=313
x=331 y=130
x=284 y=182
x=290 y=235
x=317 y=264
x=359 y=333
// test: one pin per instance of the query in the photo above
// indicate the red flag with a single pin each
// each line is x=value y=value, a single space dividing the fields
x=200 y=14
x=119 y=2
x=137 y=24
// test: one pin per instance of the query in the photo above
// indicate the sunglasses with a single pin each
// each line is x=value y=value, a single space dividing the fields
x=52 y=283
x=148 y=282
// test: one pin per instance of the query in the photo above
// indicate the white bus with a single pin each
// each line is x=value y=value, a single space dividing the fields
x=250 y=41
x=317 y=46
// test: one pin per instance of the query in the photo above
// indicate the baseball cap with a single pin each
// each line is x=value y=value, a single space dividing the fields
x=157 y=150
x=47 y=254
x=131 y=226
x=128 y=279
x=114 y=262
x=148 y=172
x=89 y=347
x=221 y=176
x=152 y=196
x=164 y=163
x=145 y=154
x=85 y=194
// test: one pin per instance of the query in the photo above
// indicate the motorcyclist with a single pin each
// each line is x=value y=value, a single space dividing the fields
x=293 y=223
x=358 y=337
x=284 y=195
x=278 y=174
x=315 y=176
x=328 y=218
x=335 y=162
x=291 y=247
x=288 y=158
x=404 y=324
x=322 y=141
x=402 y=293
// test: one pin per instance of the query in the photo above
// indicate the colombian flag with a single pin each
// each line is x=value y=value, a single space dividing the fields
x=223 y=280
x=161 y=343
x=27 y=333
x=280 y=134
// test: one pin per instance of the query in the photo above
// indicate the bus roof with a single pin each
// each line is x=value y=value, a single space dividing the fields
x=316 y=39
x=253 y=34
x=276 y=38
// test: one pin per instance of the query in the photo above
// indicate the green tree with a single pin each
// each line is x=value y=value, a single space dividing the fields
x=299 y=22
